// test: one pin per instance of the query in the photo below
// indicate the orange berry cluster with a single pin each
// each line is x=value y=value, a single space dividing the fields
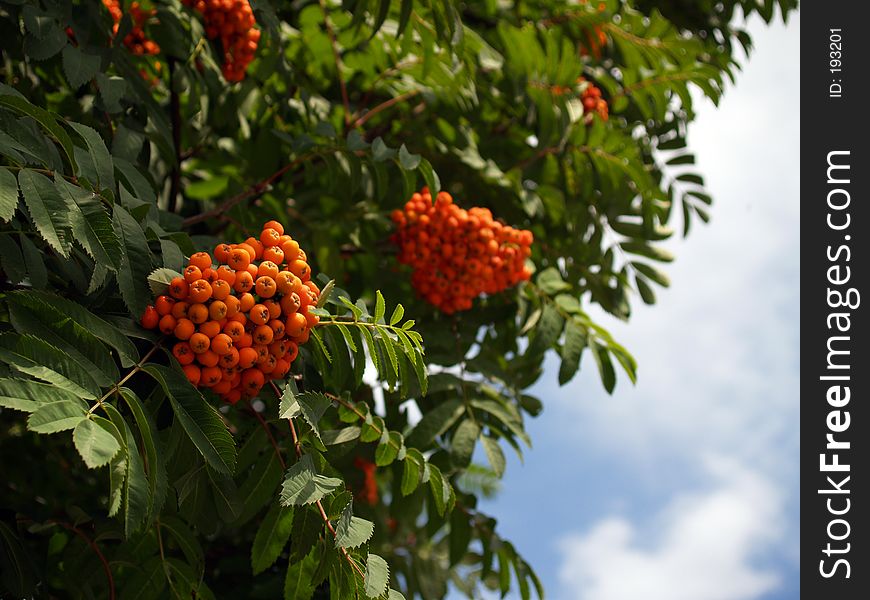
x=592 y=101
x=458 y=254
x=596 y=39
x=239 y=322
x=135 y=40
x=233 y=22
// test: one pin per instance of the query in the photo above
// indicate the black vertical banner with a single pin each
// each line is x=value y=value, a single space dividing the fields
x=835 y=226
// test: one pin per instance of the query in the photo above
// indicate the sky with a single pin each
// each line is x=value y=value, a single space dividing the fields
x=685 y=486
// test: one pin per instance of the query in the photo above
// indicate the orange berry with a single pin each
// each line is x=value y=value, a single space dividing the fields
x=247 y=358
x=268 y=365
x=291 y=250
x=217 y=310
x=292 y=351
x=234 y=329
x=221 y=344
x=182 y=353
x=193 y=374
x=199 y=342
x=184 y=328
x=220 y=289
x=192 y=273
x=259 y=314
x=269 y=237
x=221 y=388
x=210 y=328
x=211 y=376
x=209 y=358
x=198 y=313
x=167 y=324
x=267 y=269
x=150 y=318
x=265 y=287
x=239 y=259
x=244 y=282
x=263 y=335
x=312 y=319
x=178 y=288
x=200 y=291
x=274 y=254
x=300 y=269
x=262 y=352
x=201 y=260
x=226 y=273
x=256 y=246
x=246 y=341
x=274 y=225
x=179 y=310
x=232 y=305
x=278 y=348
x=296 y=324
x=222 y=253
x=246 y=302
x=210 y=275
x=252 y=380
x=230 y=359
x=164 y=305
x=284 y=281
x=274 y=308
x=277 y=327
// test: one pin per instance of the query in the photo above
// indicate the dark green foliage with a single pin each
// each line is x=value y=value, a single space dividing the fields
x=121 y=479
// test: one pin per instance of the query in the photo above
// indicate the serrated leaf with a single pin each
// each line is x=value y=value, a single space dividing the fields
x=572 y=350
x=91 y=225
x=398 y=313
x=56 y=416
x=47 y=209
x=334 y=437
x=380 y=307
x=411 y=472
x=8 y=194
x=351 y=531
x=464 y=441
x=112 y=89
x=42 y=360
x=259 y=487
x=388 y=448
x=136 y=498
x=159 y=279
x=200 y=420
x=154 y=466
x=311 y=405
x=11 y=260
x=435 y=422
x=94 y=442
x=377 y=576
x=27 y=396
x=33 y=260
x=135 y=261
x=98 y=153
x=494 y=454
x=298 y=580
x=440 y=489
x=78 y=66
x=271 y=537
x=303 y=485
x=45 y=119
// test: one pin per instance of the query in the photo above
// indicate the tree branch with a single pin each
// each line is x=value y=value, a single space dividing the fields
x=383 y=106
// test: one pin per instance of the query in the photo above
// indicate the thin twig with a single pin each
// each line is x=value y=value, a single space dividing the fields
x=97 y=551
x=272 y=440
x=383 y=106
x=116 y=387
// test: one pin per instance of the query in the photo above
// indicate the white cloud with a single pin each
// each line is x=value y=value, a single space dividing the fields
x=701 y=546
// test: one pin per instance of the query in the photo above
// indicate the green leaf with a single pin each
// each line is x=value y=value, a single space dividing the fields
x=91 y=225
x=11 y=259
x=460 y=536
x=112 y=89
x=186 y=540
x=303 y=485
x=135 y=261
x=380 y=151
x=408 y=161
x=33 y=260
x=333 y=437
x=464 y=440
x=27 y=396
x=42 y=360
x=388 y=448
x=440 y=489
x=64 y=309
x=298 y=580
x=271 y=537
x=550 y=281
x=79 y=67
x=98 y=153
x=200 y=420
x=494 y=454
x=435 y=422
x=47 y=209
x=8 y=194
x=411 y=471
x=377 y=575
x=380 y=307
x=153 y=460
x=430 y=177
x=56 y=416
x=159 y=280
x=605 y=365
x=351 y=531
x=398 y=313
x=572 y=350
x=311 y=405
x=94 y=442
x=46 y=120
x=135 y=499
x=259 y=487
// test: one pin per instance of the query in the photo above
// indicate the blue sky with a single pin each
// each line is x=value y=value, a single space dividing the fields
x=685 y=486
